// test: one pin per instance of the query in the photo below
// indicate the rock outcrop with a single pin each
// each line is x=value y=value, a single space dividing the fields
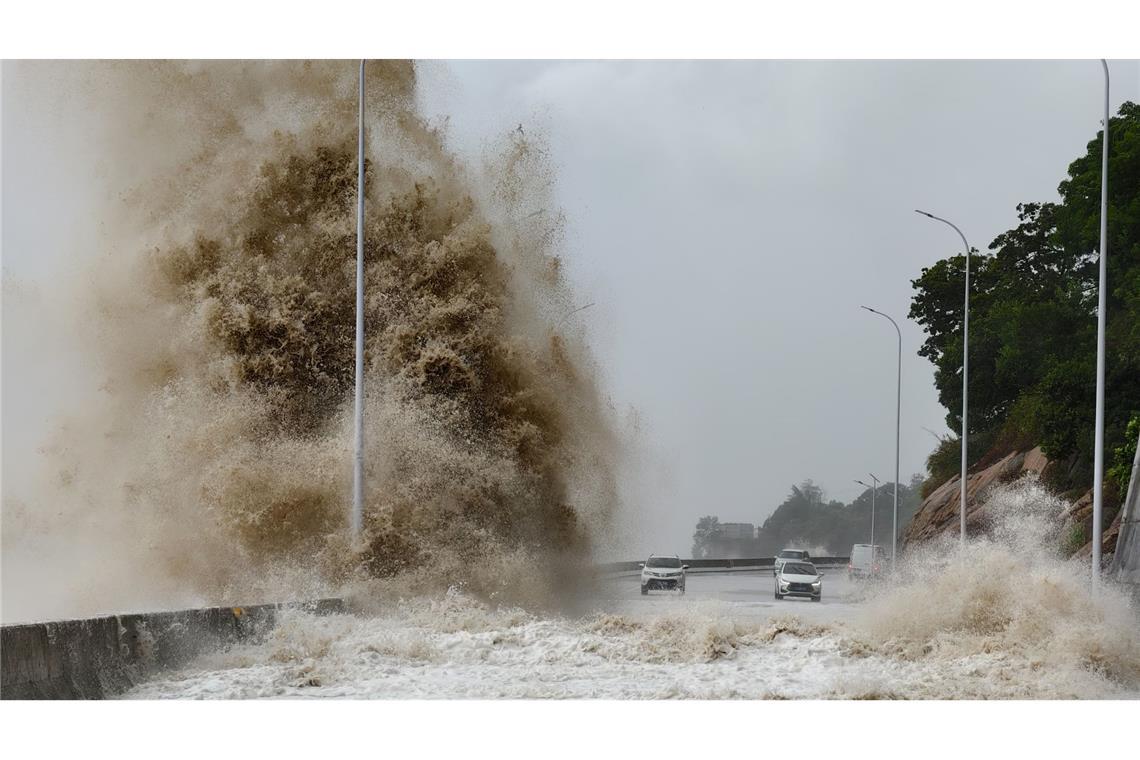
x=1107 y=539
x=939 y=512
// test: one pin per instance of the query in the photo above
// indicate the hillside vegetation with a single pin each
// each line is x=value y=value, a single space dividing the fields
x=1033 y=313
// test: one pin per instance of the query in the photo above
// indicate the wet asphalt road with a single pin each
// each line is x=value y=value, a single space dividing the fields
x=747 y=595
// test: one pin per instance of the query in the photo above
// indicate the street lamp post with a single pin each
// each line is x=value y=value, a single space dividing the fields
x=874 y=490
x=898 y=418
x=572 y=312
x=965 y=366
x=874 y=493
x=358 y=448
x=1098 y=443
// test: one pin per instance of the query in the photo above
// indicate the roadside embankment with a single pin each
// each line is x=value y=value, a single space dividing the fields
x=1120 y=541
x=939 y=512
x=1126 y=563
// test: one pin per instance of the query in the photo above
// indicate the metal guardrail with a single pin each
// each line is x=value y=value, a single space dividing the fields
x=746 y=563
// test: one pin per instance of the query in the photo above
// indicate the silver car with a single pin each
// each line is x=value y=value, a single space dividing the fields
x=787 y=555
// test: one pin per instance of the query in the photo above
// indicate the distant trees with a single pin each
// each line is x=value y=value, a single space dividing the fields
x=702 y=538
x=1033 y=319
x=804 y=516
x=807 y=519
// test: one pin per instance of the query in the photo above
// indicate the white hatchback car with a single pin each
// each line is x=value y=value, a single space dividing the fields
x=663 y=573
x=795 y=578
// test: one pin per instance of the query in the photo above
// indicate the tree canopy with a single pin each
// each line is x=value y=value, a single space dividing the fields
x=806 y=518
x=1033 y=311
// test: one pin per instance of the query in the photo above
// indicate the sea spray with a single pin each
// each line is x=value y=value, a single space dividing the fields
x=1009 y=598
x=1009 y=619
x=215 y=459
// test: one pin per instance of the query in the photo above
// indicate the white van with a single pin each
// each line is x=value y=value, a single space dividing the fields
x=866 y=561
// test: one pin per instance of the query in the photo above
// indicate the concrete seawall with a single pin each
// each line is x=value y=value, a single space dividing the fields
x=100 y=657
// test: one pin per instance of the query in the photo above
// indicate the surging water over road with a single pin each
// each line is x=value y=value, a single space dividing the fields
x=213 y=462
x=727 y=638
x=723 y=639
x=1007 y=619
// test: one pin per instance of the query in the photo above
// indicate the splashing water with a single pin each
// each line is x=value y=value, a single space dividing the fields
x=213 y=464
x=1012 y=603
x=216 y=460
x=1008 y=620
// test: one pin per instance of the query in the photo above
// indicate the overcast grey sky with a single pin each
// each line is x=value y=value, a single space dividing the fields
x=728 y=219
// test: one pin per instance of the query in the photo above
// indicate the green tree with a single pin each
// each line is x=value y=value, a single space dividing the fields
x=1033 y=316
x=805 y=516
x=1120 y=473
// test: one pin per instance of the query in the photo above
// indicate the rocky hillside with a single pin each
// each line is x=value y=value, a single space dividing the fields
x=938 y=513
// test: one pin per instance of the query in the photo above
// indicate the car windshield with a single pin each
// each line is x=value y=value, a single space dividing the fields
x=663 y=562
x=791 y=554
x=799 y=568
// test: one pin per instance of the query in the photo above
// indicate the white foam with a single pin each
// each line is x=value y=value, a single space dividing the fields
x=1010 y=619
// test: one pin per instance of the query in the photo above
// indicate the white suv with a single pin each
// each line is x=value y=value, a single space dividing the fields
x=662 y=573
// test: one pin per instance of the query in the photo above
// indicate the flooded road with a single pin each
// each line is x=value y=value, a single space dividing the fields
x=727 y=638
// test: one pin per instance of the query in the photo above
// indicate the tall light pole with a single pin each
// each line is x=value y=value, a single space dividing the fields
x=572 y=312
x=965 y=366
x=1098 y=442
x=898 y=417
x=358 y=453
x=874 y=490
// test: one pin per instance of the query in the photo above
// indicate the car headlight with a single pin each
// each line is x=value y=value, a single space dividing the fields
x=816 y=584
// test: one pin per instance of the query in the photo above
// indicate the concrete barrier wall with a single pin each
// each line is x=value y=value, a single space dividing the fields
x=1126 y=561
x=100 y=657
